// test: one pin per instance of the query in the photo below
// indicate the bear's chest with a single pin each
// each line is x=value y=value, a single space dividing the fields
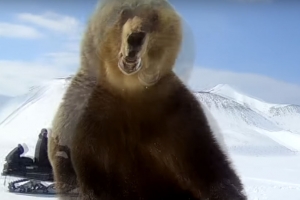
x=123 y=128
x=139 y=124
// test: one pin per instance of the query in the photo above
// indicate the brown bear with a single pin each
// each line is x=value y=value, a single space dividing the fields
x=129 y=127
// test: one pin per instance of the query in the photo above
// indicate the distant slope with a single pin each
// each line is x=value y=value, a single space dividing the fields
x=284 y=116
x=230 y=93
x=287 y=117
x=24 y=116
x=230 y=109
x=247 y=131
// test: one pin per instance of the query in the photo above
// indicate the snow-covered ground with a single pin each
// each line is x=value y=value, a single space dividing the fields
x=263 y=138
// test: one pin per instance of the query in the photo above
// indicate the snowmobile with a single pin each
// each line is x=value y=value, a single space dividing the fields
x=34 y=172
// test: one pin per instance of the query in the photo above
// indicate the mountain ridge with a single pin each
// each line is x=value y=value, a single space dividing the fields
x=271 y=111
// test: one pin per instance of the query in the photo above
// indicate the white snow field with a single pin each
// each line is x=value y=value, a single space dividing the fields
x=263 y=139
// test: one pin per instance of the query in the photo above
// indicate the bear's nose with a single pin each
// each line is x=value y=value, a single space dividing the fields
x=135 y=41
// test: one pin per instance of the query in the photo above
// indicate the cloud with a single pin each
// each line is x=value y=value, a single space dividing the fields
x=52 y=21
x=16 y=77
x=256 y=85
x=18 y=31
x=63 y=59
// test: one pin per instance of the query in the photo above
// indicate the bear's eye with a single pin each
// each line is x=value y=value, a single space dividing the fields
x=153 y=22
x=125 y=14
x=154 y=18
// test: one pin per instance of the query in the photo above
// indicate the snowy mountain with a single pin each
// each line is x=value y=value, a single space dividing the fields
x=287 y=116
x=283 y=115
x=253 y=121
x=252 y=129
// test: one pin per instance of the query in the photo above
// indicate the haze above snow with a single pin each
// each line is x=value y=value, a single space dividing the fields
x=263 y=138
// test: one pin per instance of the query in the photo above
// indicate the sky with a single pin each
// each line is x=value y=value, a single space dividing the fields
x=252 y=45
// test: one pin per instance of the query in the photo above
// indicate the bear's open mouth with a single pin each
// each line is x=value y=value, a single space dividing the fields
x=129 y=66
x=131 y=52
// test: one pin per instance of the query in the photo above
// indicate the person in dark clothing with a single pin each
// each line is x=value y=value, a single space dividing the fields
x=41 y=150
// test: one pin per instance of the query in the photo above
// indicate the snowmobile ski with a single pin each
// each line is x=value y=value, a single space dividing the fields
x=31 y=186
